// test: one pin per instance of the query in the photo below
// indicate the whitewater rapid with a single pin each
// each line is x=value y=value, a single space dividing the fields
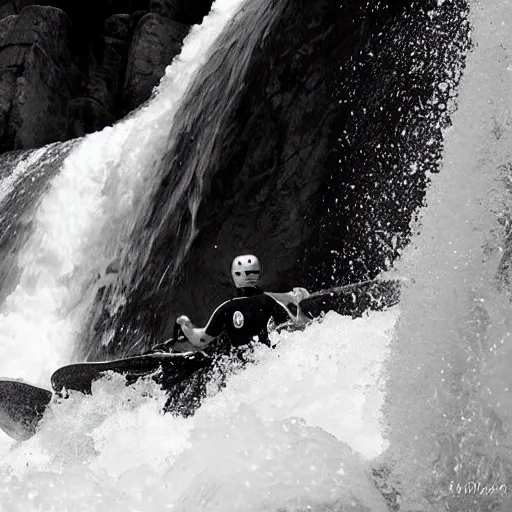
x=293 y=432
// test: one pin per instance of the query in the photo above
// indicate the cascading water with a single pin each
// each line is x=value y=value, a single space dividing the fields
x=83 y=223
x=448 y=402
x=21 y=191
x=290 y=433
x=270 y=441
x=175 y=187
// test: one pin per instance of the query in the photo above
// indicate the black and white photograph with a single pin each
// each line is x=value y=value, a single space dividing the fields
x=256 y=256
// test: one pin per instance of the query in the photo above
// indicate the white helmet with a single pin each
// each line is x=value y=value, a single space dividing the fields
x=246 y=271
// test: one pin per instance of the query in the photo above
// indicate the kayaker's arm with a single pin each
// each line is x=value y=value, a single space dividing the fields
x=195 y=335
x=293 y=297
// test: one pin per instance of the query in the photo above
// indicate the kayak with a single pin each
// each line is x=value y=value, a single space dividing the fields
x=22 y=405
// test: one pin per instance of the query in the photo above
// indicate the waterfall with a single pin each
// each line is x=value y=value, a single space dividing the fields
x=135 y=308
x=82 y=224
x=268 y=443
x=448 y=397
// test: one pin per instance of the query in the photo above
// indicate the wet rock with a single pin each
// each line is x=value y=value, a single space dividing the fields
x=157 y=40
x=7 y=10
x=166 y=8
x=119 y=26
x=106 y=73
x=193 y=11
x=94 y=46
x=188 y=12
x=9 y=7
x=37 y=77
x=5 y=26
x=122 y=6
x=87 y=115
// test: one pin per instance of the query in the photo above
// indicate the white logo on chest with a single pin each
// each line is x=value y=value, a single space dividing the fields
x=238 y=319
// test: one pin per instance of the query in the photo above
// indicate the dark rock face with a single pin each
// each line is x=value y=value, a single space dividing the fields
x=188 y=12
x=156 y=41
x=36 y=82
x=166 y=8
x=395 y=93
x=307 y=139
x=71 y=68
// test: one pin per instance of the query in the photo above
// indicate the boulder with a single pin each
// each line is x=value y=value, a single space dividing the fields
x=37 y=77
x=70 y=68
x=156 y=41
x=119 y=26
x=188 y=12
x=105 y=73
x=122 y=6
x=6 y=25
x=6 y=10
x=9 y=7
x=87 y=115
x=166 y=8
x=193 y=11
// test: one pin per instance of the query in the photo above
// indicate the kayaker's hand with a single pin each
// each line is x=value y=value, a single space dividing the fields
x=300 y=294
x=184 y=320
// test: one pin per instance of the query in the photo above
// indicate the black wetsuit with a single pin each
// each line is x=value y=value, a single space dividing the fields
x=247 y=318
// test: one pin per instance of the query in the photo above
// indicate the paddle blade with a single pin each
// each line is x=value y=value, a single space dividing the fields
x=21 y=408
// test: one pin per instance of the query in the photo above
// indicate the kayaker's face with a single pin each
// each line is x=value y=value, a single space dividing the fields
x=247 y=278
